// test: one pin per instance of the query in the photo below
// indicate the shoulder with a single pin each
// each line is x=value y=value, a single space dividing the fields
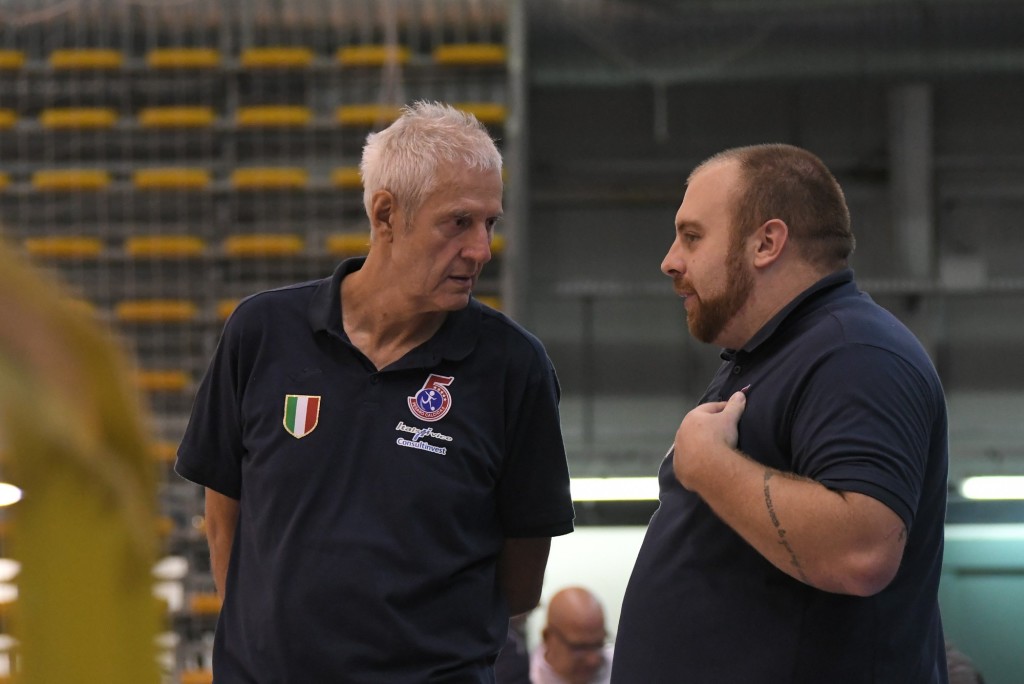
x=498 y=328
x=279 y=302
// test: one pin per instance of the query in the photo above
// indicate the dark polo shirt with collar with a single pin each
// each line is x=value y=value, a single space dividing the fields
x=842 y=393
x=373 y=504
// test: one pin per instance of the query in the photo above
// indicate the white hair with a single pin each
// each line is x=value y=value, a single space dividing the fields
x=404 y=157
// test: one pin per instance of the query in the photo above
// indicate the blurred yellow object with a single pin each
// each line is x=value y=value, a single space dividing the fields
x=182 y=58
x=12 y=59
x=204 y=604
x=164 y=452
x=347 y=177
x=269 y=178
x=197 y=677
x=490 y=300
x=263 y=245
x=276 y=57
x=73 y=429
x=167 y=246
x=274 y=115
x=176 y=117
x=155 y=310
x=373 y=55
x=470 y=54
x=86 y=59
x=367 y=115
x=5 y=179
x=172 y=178
x=485 y=112
x=71 y=179
x=64 y=247
x=8 y=117
x=226 y=307
x=78 y=117
x=161 y=380
x=348 y=244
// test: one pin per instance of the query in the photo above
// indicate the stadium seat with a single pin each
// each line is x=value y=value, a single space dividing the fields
x=172 y=178
x=348 y=244
x=273 y=115
x=367 y=115
x=486 y=112
x=276 y=57
x=162 y=380
x=372 y=55
x=182 y=58
x=155 y=311
x=86 y=58
x=347 y=177
x=8 y=117
x=269 y=178
x=12 y=59
x=263 y=245
x=470 y=54
x=164 y=246
x=176 y=117
x=64 y=247
x=78 y=117
x=70 y=179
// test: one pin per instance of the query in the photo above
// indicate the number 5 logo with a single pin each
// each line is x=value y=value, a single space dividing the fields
x=433 y=400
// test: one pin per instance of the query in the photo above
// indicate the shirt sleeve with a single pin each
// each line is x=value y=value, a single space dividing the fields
x=210 y=453
x=533 y=494
x=864 y=424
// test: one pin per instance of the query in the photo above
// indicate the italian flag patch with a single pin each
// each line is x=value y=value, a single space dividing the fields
x=301 y=413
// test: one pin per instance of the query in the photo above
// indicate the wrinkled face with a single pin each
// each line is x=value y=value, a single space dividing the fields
x=706 y=262
x=439 y=252
x=575 y=652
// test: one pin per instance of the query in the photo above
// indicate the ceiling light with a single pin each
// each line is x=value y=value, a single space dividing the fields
x=993 y=487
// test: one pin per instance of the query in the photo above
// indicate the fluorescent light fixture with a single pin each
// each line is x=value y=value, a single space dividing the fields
x=9 y=494
x=614 y=488
x=993 y=487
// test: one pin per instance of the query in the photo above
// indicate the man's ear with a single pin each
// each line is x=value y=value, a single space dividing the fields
x=771 y=239
x=383 y=214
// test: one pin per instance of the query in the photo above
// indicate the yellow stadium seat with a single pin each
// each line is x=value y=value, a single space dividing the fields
x=174 y=178
x=263 y=245
x=269 y=178
x=346 y=244
x=497 y=244
x=204 y=604
x=470 y=54
x=347 y=177
x=176 y=117
x=274 y=116
x=490 y=300
x=197 y=677
x=276 y=57
x=12 y=59
x=162 y=380
x=485 y=112
x=182 y=58
x=86 y=59
x=78 y=117
x=71 y=179
x=5 y=179
x=155 y=310
x=226 y=307
x=164 y=452
x=8 y=117
x=64 y=247
x=164 y=246
x=373 y=55
x=367 y=115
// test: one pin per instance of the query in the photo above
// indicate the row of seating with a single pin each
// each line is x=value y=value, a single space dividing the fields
x=180 y=178
x=270 y=57
x=255 y=116
x=185 y=178
x=189 y=246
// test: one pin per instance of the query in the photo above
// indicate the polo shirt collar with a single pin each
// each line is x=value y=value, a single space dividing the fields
x=454 y=341
x=834 y=284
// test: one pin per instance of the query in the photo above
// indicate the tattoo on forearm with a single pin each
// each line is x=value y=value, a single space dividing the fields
x=793 y=558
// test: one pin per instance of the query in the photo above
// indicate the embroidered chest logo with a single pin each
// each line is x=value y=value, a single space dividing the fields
x=301 y=414
x=433 y=400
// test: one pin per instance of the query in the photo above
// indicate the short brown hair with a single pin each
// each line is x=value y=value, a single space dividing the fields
x=791 y=184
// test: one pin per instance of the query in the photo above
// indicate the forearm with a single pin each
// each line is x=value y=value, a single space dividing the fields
x=521 y=568
x=844 y=543
x=221 y=521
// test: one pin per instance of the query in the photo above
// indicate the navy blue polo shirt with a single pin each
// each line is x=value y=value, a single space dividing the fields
x=373 y=504
x=841 y=392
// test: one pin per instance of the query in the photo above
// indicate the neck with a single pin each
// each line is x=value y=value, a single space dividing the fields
x=380 y=322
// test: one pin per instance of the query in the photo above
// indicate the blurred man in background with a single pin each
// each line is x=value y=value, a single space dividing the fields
x=574 y=646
